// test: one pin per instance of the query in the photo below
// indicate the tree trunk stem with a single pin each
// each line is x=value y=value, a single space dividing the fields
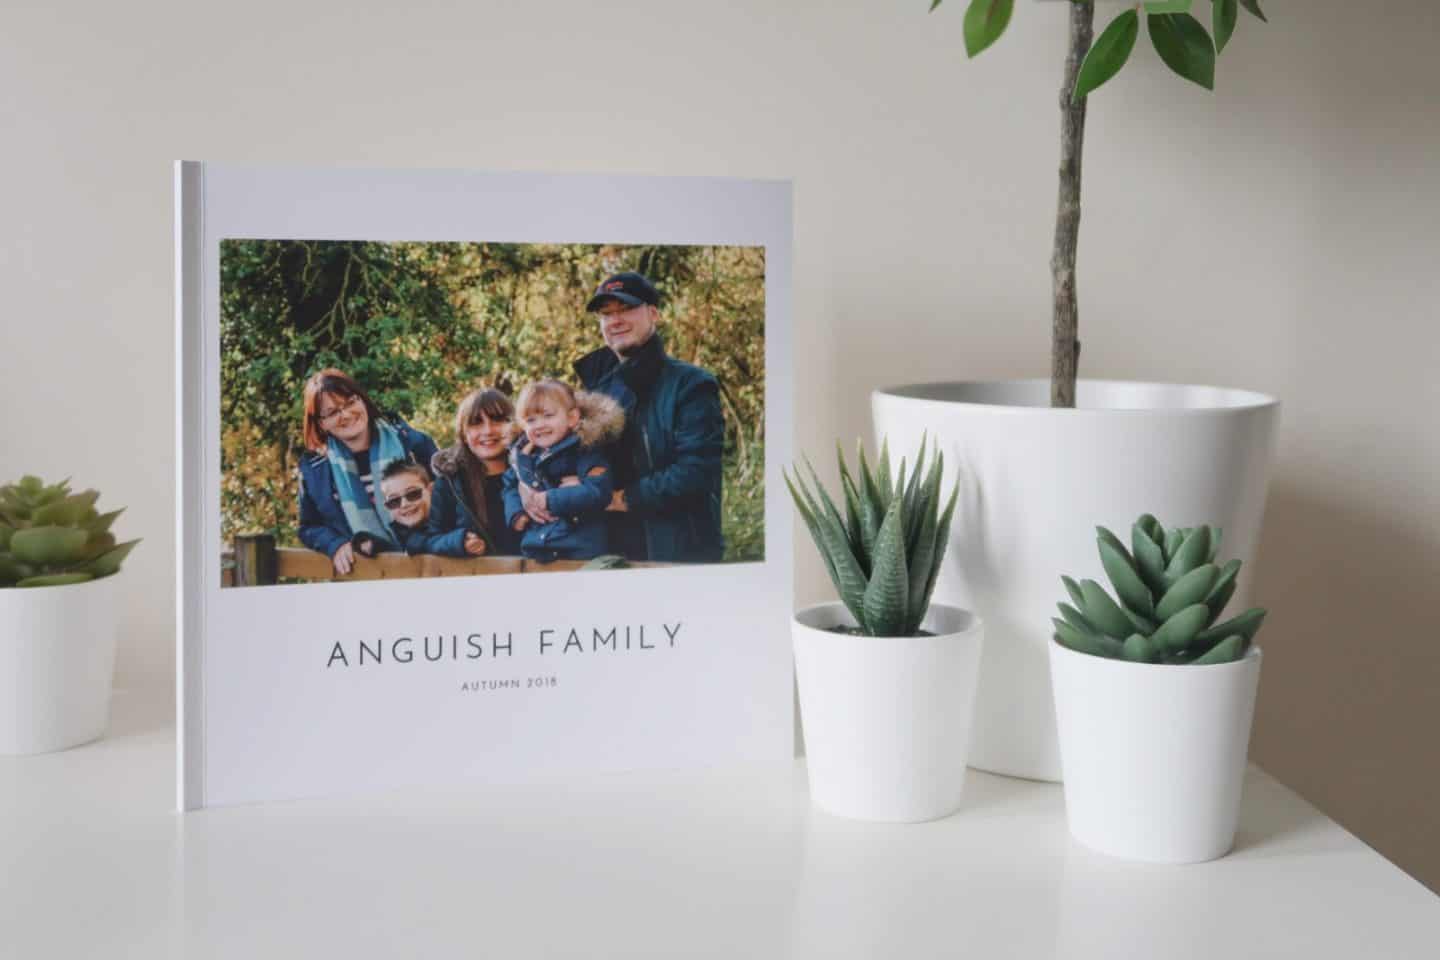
x=1065 y=349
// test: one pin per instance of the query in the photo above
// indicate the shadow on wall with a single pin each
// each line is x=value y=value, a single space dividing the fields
x=1351 y=658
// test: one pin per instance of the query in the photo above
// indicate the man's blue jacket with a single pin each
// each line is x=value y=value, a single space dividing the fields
x=668 y=460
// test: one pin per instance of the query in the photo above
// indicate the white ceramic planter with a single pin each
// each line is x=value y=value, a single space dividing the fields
x=1034 y=483
x=1154 y=756
x=57 y=654
x=887 y=719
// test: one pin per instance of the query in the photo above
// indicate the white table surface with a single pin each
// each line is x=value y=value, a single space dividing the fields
x=94 y=862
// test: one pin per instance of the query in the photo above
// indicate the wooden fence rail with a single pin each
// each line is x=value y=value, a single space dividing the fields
x=256 y=561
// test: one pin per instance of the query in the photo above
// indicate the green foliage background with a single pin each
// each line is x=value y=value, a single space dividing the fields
x=421 y=324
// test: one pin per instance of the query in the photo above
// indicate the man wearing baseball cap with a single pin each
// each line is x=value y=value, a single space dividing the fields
x=666 y=506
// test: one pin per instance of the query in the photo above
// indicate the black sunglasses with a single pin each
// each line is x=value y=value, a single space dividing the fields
x=412 y=495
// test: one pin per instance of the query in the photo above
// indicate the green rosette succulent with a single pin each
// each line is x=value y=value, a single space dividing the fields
x=883 y=552
x=1171 y=593
x=51 y=537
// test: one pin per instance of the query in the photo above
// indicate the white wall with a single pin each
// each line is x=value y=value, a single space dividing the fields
x=1276 y=235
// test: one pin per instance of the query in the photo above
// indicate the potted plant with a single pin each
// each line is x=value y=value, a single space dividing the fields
x=1154 y=696
x=886 y=679
x=57 y=615
x=1035 y=453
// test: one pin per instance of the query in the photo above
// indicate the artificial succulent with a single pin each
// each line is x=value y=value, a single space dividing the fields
x=1170 y=593
x=51 y=537
x=884 y=553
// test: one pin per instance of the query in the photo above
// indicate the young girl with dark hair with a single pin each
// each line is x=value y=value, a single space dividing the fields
x=468 y=476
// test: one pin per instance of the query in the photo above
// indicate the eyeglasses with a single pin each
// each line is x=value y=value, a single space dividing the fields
x=412 y=495
x=333 y=415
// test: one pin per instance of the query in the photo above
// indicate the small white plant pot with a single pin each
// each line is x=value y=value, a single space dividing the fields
x=1153 y=755
x=57 y=655
x=887 y=720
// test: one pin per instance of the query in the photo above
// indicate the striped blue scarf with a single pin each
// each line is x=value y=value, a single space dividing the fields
x=362 y=513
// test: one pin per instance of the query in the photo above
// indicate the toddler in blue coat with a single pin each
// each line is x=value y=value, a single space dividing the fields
x=561 y=458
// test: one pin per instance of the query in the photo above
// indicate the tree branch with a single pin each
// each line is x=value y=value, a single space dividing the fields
x=1065 y=343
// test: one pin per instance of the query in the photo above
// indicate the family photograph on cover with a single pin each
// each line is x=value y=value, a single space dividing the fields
x=398 y=410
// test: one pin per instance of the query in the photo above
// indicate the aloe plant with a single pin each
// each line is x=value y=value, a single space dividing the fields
x=1170 y=593
x=51 y=537
x=883 y=554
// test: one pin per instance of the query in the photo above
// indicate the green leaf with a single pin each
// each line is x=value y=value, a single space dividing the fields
x=913 y=499
x=1149 y=558
x=853 y=512
x=1190 y=554
x=872 y=501
x=829 y=512
x=1108 y=54
x=1223 y=590
x=61 y=513
x=1254 y=7
x=1102 y=611
x=807 y=507
x=1073 y=588
x=985 y=20
x=1176 y=633
x=921 y=558
x=883 y=481
x=1184 y=46
x=1124 y=576
x=45 y=546
x=1140 y=622
x=1083 y=641
x=1076 y=619
x=1246 y=625
x=1231 y=648
x=53 y=494
x=942 y=542
x=849 y=581
x=1173 y=538
x=1190 y=589
x=1140 y=649
x=887 y=594
x=933 y=5
x=109 y=562
x=1225 y=13
x=1167 y=6
x=97 y=545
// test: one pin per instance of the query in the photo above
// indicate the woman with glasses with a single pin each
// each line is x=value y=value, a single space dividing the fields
x=350 y=443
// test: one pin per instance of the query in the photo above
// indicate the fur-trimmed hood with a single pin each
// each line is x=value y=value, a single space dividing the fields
x=602 y=419
x=446 y=461
x=602 y=422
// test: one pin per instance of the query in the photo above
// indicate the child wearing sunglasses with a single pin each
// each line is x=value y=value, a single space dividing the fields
x=406 y=487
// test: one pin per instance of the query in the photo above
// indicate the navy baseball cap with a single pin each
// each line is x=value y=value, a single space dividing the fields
x=629 y=288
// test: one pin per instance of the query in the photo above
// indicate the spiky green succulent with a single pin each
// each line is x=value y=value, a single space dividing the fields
x=884 y=553
x=50 y=537
x=1170 y=593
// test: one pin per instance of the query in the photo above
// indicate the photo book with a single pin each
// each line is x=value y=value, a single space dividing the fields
x=479 y=478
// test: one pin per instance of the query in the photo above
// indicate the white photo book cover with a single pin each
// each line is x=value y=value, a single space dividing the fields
x=479 y=478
